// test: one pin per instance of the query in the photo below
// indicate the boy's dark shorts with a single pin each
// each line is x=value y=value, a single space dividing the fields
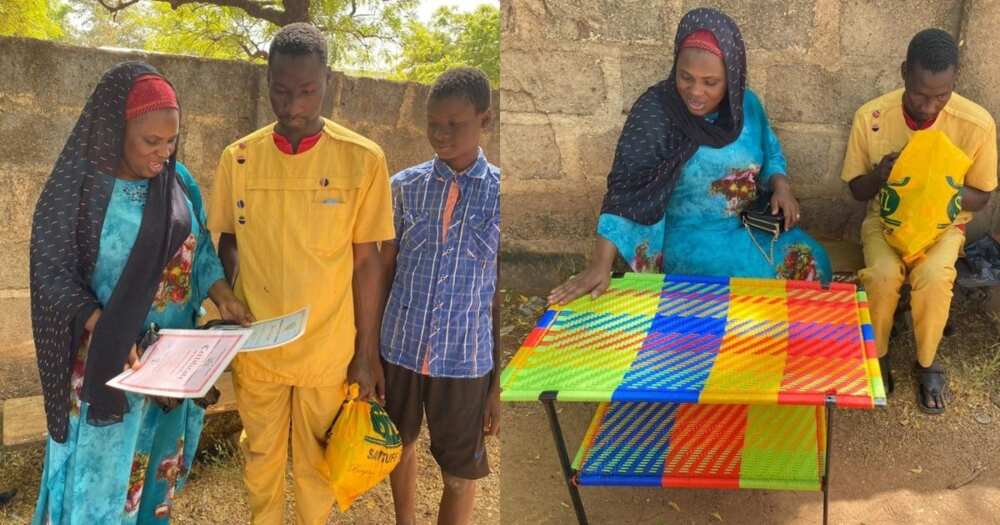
x=455 y=408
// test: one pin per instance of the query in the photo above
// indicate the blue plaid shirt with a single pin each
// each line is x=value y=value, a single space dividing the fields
x=438 y=320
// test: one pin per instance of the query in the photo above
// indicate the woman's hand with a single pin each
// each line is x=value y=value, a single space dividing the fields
x=133 y=362
x=166 y=403
x=593 y=280
x=783 y=200
x=91 y=322
x=230 y=308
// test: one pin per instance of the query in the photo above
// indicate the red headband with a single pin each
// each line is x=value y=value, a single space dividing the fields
x=703 y=39
x=149 y=93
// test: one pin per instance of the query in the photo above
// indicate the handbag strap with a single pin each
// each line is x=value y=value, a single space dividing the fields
x=774 y=239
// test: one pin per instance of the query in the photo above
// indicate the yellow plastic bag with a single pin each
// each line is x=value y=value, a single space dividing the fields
x=921 y=197
x=362 y=448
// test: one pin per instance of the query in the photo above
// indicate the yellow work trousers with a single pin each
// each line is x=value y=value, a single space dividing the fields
x=931 y=281
x=269 y=411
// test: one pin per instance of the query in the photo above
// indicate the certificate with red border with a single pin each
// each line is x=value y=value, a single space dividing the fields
x=183 y=363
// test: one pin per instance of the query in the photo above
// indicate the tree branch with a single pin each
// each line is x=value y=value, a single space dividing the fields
x=264 y=11
x=118 y=5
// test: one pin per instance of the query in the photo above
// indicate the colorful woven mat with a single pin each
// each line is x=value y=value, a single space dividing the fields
x=703 y=340
x=704 y=446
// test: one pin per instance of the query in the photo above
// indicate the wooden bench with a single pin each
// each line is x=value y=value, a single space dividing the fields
x=845 y=256
x=24 y=418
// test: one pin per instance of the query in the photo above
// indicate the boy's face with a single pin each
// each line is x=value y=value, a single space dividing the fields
x=454 y=128
x=297 y=86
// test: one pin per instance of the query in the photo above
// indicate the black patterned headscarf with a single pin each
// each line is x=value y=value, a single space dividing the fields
x=65 y=238
x=660 y=134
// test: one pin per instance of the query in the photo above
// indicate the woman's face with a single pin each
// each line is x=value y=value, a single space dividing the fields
x=701 y=81
x=150 y=140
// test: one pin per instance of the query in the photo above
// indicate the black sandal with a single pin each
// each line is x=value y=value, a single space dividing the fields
x=931 y=384
x=887 y=380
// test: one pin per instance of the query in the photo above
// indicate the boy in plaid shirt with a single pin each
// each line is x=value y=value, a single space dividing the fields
x=439 y=345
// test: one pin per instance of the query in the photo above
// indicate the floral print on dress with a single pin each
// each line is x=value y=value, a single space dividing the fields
x=701 y=232
x=739 y=188
x=95 y=474
x=643 y=262
x=171 y=470
x=76 y=376
x=136 y=480
x=175 y=286
x=799 y=263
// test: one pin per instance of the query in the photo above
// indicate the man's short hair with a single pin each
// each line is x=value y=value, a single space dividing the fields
x=932 y=49
x=298 y=39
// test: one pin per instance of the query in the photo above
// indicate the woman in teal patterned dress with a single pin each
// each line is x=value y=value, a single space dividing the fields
x=697 y=150
x=119 y=225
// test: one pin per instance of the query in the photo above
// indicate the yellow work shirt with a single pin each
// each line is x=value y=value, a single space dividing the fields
x=296 y=218
x=880 y=128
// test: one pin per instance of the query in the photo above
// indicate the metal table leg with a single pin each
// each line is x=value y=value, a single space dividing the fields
x=830 y=406
x=548 y=400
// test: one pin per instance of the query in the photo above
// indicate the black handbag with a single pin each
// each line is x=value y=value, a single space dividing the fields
x=758 y=216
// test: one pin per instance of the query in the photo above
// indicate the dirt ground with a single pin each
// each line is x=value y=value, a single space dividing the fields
x=889 y=466
x=215 y=493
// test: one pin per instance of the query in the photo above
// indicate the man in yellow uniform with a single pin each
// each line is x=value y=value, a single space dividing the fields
x=301 y=205
x=881 y=129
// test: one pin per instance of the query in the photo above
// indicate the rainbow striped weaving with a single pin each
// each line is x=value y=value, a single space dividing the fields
x=703 y=340
x=704 y=446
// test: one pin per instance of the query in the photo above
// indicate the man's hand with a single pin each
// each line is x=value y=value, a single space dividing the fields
x=235 y=311
x=360 y=372
x=230 y=308
x=491 y=418
x=867 y=186
x=884 y=168
x=378 y=379
x=367 y=288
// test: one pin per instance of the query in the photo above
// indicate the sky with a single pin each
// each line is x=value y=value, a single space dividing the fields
x=427 y=7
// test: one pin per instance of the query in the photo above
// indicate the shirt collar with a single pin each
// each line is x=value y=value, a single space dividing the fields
x=912 y=122
x=305 y=144
x=477 y=170
x=914 y=125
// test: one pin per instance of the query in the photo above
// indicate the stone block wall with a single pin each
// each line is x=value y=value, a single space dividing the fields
x=43 y=86
x=572 y=69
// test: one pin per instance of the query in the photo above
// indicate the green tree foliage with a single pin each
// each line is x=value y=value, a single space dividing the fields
x=30 y=18
x=361 y=33
x=451 y=39
x=240 y=29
